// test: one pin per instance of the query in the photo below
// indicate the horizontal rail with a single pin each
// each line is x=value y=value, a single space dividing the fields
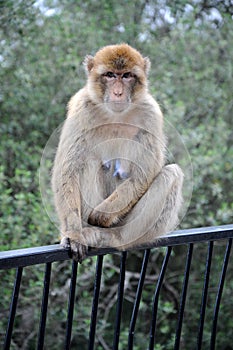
x=48 y=254
x=33 y=256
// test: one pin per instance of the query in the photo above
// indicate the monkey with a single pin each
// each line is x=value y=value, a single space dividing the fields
x=110 y=181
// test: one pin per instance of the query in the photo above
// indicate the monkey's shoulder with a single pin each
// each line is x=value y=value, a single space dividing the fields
x=77 y=103
x=151 y=105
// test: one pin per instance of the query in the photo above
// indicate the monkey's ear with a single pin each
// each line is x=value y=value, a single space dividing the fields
x=88 y=63
x=146 y=65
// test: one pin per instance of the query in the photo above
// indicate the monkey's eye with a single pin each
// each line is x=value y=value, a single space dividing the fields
x=110 y=75
x=127 y=75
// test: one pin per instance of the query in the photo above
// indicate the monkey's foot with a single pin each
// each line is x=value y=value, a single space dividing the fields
x=78 y=250
x=102 y=219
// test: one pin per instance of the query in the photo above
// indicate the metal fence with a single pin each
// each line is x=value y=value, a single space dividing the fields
x=187 y=239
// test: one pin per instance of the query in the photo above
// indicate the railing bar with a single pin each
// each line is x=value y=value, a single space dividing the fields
x=13 y=307
x=99 y=266
x=119 y=301
x=219 y=294
x=138 y=299
x=204 y=294
x=44 y=306
x=45 y=254
x=188 y=236
x=183 y=297
x=33 y=256
x=156 y=297
x=70 y=312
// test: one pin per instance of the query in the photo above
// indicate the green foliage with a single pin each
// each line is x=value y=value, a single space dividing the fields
x=199 y=105
x=42 y=45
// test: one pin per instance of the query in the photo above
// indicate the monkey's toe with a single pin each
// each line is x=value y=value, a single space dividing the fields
x=78 y=250
x=65 y=242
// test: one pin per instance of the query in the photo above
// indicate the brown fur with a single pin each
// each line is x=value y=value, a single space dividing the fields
x=110 y=184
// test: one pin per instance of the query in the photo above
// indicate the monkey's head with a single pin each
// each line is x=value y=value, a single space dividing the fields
x=117 y=77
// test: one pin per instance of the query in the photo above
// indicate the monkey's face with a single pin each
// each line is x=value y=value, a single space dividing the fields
x=117 y=77
x=118 y=88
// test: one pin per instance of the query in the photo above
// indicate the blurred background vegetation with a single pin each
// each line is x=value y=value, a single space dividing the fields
x=42 y=46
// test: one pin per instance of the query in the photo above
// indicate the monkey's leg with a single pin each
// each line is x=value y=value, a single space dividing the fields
x=109 y=212
x=71 y=235
x=68 y=204
x=154 y=214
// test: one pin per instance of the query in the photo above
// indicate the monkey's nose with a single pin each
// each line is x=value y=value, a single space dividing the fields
x=118 y=93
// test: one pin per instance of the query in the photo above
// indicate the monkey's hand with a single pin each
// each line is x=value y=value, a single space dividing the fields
x=109 y=212
x=78 y=250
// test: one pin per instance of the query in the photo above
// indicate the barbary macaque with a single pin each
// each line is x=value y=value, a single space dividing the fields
x=110 y=182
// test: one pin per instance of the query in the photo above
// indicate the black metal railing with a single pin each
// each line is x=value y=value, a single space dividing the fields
x=187 y=239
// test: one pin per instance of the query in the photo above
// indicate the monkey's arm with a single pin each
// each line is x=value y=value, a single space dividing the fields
x=118 y=204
